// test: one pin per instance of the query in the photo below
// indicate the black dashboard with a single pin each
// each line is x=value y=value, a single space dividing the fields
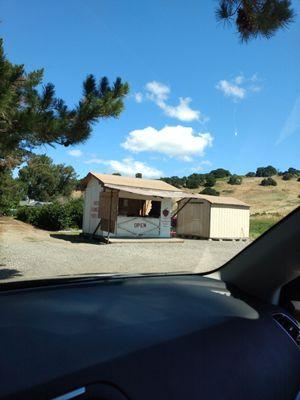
x=164 y=337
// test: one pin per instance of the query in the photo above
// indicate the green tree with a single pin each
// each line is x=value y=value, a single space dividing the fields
x=266 y=171
x=31 y=115
x=254 y=18
x=195 y=180
x=11 y=191
x=220 y=173
x=210 y=181
x=292 y=171
x=175 y=181
x=45 y=181
x=235 y=180
x=250 y=174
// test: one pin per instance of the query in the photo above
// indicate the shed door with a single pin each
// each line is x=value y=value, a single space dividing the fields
x=108 y=210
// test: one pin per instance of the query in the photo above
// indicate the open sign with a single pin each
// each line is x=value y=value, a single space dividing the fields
x=140 y=225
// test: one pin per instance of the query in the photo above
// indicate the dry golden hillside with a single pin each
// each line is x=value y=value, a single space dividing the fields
x=274 y=200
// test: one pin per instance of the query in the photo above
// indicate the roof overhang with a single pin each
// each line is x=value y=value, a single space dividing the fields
x=150 y=192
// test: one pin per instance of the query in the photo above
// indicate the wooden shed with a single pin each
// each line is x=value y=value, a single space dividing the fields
x=215 y=217
x=118 y=206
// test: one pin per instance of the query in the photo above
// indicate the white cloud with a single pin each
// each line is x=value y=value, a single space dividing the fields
x=157 y=91
x=182 y=112
x=238 y=87
x=239 y=79
x=255 y=88
x=75 y=153
x=138 y=97
x=231 y=90
x=292 y=122
x=128 y=166
x=175 y=141
x=159 y=94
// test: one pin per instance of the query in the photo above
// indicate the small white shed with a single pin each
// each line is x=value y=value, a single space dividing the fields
x=215 y=217
x=117 y=206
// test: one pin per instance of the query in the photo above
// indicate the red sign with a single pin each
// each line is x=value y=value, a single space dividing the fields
x=165 y=212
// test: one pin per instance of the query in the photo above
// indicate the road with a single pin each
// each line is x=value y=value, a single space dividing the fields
x=27 y=252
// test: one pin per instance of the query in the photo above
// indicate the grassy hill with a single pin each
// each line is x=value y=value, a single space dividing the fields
x=268 y=204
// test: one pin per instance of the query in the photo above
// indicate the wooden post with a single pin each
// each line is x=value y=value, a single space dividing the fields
x=110 y=207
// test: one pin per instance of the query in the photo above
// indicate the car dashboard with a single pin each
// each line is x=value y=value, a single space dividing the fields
x=157 y=337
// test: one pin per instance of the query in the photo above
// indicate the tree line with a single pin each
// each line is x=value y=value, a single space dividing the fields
x=208 y=180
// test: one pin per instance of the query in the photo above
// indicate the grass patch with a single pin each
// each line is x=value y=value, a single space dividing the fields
x=260 y=225
x=228 y=191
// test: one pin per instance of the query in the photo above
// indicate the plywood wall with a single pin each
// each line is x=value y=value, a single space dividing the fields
x=194 y=218
x=91 y=205
x=229 y=222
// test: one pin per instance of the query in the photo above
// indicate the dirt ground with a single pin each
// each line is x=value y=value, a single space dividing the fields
x=26 y=252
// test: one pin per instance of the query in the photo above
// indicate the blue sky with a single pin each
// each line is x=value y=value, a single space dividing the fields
x=199 y=98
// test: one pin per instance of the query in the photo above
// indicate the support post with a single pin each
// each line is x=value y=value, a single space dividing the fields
x=180 y=208
x=110 y=208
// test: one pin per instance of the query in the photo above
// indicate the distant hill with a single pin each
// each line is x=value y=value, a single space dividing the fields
x=274 y=200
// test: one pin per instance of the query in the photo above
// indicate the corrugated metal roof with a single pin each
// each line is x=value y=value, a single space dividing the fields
x=221 y=200
x=177 y=194
x=132 y=182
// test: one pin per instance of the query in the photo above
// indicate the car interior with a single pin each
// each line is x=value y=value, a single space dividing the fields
x=230 y=334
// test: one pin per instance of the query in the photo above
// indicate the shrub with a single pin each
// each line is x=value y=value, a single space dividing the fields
x=53 y=216
x=28 y=214
x=235 y=180
x=250 y=175
x=74 y=210
x=298 y=180
x=210 y=191
x=287 y=176
x=268 y=182
x=210 y=181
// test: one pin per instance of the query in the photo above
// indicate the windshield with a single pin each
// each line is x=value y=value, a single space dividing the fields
x=140 y=137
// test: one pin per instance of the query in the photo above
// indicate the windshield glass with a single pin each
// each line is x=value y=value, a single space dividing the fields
x=141 y=137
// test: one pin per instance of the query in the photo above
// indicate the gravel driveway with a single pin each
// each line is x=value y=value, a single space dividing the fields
x=27 y=252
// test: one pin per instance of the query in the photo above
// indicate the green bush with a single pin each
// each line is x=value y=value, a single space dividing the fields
x=268 y=182
x=210 y=191
x=287 y=176
x=210 y=181
x=53 y=216
x=235 y=180
x=75 y=212
x=250 y=174
x=28 y=214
